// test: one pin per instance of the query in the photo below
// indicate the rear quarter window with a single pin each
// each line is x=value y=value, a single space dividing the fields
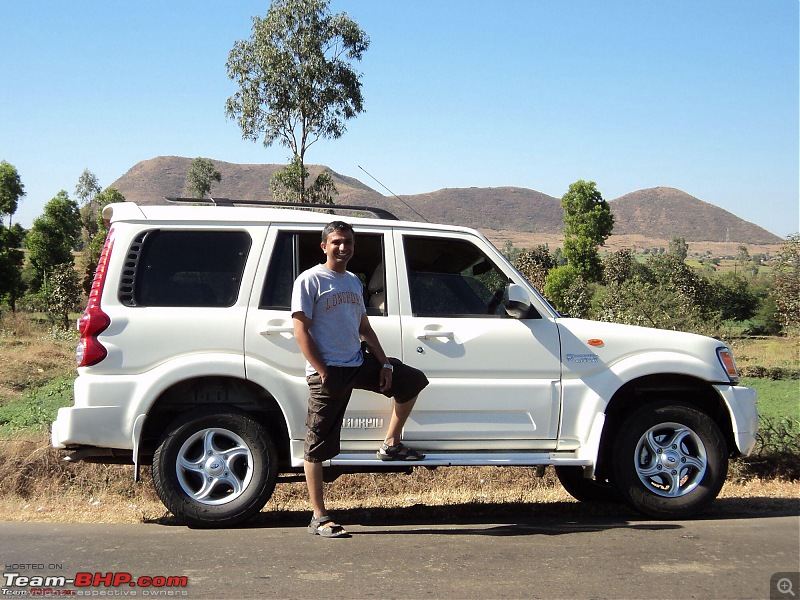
x=184 y=268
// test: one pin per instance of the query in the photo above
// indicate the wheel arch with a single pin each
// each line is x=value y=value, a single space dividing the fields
x=213 y=390
x=654 y=388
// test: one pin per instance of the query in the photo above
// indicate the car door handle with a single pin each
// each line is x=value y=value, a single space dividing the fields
x=428 y=334
x=277 y=329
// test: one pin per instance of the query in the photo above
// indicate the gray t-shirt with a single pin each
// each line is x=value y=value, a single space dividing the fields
x=335 y=303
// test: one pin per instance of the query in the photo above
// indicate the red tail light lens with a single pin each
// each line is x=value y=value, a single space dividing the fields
x=94 y=321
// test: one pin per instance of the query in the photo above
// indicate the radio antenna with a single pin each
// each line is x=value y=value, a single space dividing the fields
x=395 y=195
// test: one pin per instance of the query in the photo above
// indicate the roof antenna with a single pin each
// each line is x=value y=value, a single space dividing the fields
x=395 y=195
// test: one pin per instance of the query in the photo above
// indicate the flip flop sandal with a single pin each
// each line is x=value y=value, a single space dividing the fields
x=326 y=527
x=398 y=452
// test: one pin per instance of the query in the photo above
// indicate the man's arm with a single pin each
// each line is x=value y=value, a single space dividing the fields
x=369 y=336
x=308 y=347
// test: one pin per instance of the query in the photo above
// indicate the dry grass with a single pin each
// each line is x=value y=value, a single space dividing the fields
x=36 y=485
x=783 y=352
x=31 y=355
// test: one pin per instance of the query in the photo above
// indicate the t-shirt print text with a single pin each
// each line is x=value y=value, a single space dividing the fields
x=334 y=299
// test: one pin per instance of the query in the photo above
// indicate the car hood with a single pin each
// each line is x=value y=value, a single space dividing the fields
x=593 y=346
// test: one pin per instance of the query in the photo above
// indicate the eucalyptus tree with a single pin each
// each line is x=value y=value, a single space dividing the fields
x=86 y=190
x=88 y=187
x=296 y=79
x=201 y=176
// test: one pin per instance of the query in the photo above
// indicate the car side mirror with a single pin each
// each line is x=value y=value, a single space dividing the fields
x=518 y=303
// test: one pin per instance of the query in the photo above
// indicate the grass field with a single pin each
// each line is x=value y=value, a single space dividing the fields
x=776 y=399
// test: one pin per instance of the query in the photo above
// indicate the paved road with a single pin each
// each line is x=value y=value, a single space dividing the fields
x=426 y=553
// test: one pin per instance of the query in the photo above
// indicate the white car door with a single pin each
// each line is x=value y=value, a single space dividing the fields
x=272 y=356
x=494 y=379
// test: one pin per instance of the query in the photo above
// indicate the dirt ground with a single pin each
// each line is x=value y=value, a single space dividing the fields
x=37 y=485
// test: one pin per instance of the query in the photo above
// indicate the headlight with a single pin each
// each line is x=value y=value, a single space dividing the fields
x=726 y=360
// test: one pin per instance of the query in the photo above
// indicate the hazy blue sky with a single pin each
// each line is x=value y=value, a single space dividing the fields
x=692 y=94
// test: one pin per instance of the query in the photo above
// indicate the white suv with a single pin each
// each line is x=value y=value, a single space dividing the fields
x=187 y=362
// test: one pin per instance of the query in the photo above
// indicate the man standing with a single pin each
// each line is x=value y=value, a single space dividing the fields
x=330 y=324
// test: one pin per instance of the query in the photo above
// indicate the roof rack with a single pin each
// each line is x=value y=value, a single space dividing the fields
x=380 y=213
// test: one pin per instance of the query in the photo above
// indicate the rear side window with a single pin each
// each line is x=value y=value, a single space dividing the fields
x=296 y=251
x=184 y=268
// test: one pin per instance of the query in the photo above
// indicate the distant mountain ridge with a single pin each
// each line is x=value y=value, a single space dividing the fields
x=660 y=212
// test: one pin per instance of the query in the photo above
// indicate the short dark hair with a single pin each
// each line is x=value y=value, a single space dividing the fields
x=335 y=226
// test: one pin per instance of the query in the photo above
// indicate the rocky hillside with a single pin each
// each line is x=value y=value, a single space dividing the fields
x=657 y=212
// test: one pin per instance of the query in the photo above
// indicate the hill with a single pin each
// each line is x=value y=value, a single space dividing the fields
x=150 y=180
x=655 y=213
x=664 y=212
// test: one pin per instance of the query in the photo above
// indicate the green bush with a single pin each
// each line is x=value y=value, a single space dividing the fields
x=37 y=409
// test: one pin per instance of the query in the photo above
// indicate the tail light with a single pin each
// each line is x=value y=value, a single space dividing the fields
x=94 y=321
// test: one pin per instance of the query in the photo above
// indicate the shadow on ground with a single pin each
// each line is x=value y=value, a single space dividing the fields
x=556 y=518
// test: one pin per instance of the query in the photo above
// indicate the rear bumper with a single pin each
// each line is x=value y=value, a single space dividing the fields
x=89 y=426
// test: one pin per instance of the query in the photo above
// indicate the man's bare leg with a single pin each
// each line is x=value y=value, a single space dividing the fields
x=314 y=482
x=400 y=413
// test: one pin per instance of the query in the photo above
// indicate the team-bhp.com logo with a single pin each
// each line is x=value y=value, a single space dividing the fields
x=87 y=584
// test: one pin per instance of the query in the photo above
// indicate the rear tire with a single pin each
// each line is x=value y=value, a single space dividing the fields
x=216 y=467
x=670 y=460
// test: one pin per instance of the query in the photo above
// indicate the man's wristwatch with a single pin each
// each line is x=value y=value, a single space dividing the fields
x=388 y=366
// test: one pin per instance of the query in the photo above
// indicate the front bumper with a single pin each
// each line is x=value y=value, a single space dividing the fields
x=742 y=405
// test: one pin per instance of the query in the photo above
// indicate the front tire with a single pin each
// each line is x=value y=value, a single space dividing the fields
x=215 y=468
x=599 y=491
x=670 y=460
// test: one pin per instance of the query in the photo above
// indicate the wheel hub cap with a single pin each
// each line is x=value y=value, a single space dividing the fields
x=670 y=460
x=215 y=466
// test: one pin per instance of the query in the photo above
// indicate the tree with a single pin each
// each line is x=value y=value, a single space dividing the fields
x=53 y=237
x=287 y=185
x=746 y=264
x=200 y=177
x=679 y=248
x=86 y=190
x=11 y=260
x=535 y=264
x=618 y=266
x=786 y=293
x=589 y=222
x=88 y=187
x=11 y=190
x=568 y=291
x=95 y=245
x=296 y=81
x=63 y=293
x=733 y=297
x=664 y=293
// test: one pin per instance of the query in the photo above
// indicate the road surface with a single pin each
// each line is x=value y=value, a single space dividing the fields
x=421 y=553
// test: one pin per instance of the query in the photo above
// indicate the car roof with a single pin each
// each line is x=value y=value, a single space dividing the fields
x=244 y=215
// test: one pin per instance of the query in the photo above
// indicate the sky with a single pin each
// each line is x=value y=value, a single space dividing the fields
x=699 y=95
